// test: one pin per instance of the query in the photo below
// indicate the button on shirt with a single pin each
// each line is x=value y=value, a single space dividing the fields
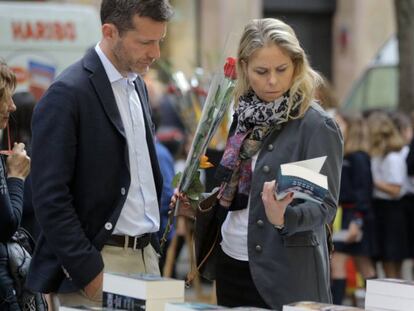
x=140 y=213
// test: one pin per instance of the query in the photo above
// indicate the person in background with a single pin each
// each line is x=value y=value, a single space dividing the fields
x=96 y=180
x=165 y=159
x=355 y=201
x=20 y=124
x=20 y=130
x=325 y=95
x=13 y=173
x=274 y=252
x=404 y=125
x=389 y=173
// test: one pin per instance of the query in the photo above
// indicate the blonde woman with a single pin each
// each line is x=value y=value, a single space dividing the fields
x=389 y=173
x=355 y=199
x=272 y=251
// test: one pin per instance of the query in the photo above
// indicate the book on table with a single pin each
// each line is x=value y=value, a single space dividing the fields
x=390 y=294
x=140 y=291
x=391 y=303
x=391 y=287
x=304 y=179
x=317 y=306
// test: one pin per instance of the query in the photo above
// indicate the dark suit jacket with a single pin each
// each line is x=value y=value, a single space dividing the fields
x=80 y=174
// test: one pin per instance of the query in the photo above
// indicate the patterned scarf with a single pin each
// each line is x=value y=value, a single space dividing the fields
x=255 y=120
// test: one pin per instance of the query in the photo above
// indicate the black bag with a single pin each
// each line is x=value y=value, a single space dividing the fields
x=209 y=218
x=19 y=250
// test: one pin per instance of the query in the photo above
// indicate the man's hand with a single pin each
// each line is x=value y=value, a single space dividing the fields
x=94 y=287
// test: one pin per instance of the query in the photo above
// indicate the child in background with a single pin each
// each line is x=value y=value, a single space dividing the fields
x=389 y=173
x=355 y=200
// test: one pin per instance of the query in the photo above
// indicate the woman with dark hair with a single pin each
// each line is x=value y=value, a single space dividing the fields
x=20 y=130
x=13 y=172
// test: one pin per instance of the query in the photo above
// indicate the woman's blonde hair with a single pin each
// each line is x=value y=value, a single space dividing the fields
x=7 y=81
x=260 y=33
x=356 y=137
x=384 y=135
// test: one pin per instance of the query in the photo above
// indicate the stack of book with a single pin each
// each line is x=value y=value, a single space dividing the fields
x=390 y=294
x=140 y=291
x=317 y=306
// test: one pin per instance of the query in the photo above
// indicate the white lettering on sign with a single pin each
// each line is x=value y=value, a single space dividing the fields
x=41 y=30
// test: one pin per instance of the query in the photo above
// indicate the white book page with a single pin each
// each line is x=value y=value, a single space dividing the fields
x=314 y=164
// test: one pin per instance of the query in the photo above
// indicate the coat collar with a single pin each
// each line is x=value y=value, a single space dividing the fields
x=100 y=82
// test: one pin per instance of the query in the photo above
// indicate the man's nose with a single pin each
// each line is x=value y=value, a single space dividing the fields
x=155 y=51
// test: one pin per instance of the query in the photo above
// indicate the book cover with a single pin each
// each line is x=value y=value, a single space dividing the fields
x=303 y=179
x=121 y=302
x=391 y=303
x=317 y=306
x=143 y=286
x=391 y=287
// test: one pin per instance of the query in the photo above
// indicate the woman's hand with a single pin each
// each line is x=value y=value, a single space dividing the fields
x=354 y=233
x=275 y=209
x=18 y=163
x=178 y=196
x=184 y=207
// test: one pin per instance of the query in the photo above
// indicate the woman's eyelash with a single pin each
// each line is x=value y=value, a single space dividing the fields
x=262 y=72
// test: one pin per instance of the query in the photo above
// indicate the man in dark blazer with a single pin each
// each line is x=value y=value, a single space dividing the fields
x=95 y=177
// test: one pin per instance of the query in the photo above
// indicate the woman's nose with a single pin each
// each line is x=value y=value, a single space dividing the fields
x=272 y=78
x=11 y=105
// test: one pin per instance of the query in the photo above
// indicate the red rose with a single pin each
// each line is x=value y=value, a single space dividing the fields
x=230 y=68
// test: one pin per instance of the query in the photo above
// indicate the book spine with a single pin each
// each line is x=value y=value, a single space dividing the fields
x=116 y=301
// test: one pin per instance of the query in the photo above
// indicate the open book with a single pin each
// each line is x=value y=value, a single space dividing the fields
x=303 y=179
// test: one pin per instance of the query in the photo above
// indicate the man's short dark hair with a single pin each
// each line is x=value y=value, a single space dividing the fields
x=121 y=12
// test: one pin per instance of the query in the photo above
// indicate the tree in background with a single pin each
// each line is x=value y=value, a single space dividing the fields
x=404 y=10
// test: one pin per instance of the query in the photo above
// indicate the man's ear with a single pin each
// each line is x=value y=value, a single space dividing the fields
x=109 y=32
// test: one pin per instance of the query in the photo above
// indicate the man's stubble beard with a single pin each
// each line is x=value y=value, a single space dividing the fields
x=120 y=59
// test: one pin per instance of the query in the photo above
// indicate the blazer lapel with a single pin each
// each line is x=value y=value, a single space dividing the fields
x=103 y=88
